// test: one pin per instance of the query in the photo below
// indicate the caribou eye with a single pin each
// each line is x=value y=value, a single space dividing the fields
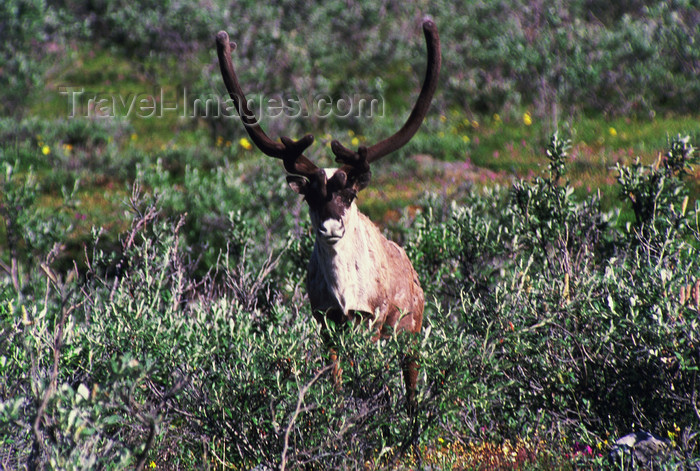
x=349 y=196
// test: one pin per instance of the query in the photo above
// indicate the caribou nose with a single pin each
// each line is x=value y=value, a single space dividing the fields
x=331 y=230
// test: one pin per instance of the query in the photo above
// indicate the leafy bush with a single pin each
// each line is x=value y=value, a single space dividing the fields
x=32 y=32
x=147 y=27
x=565 y=57
x=576 y=321
x=22 y=23
x=547 y=320
x=148 y=361
x=562 y=55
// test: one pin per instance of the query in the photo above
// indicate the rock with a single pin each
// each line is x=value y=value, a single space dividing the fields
x=641 y=449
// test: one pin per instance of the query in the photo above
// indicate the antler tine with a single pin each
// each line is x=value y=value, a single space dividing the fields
x=420 y=109
x=288 y=150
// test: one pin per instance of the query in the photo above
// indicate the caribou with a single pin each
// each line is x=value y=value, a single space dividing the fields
x=355 y=273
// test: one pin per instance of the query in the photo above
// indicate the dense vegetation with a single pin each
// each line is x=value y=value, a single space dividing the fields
x=588 y=55
x=152 y=301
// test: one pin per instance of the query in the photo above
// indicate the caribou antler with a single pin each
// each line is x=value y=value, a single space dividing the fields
x=355 y=170
x=360 y=160
x=291 y=152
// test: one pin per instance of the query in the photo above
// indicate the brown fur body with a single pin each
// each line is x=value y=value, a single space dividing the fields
x=373 y=278
x=363 y=276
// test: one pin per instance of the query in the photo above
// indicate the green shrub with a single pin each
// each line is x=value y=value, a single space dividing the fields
x=22 y=22
x=33 y=31
x=574 y=320
x=545 y=318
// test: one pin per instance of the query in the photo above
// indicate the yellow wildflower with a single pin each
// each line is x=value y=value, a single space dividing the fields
x=355 y=141
x=466 y=139
x=245 y=143
x=496 y=118
x=475 y=124
x=134 y=136
x=45 y=150
x=152 y=464
x=527 y=118
x=612 y=131
x=443 y=118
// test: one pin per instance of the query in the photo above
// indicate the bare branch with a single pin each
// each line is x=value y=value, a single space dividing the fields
x=299 y=409
x=38 y=441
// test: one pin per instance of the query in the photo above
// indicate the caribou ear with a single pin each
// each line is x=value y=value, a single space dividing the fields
x=298 y=183
x=361 y=181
